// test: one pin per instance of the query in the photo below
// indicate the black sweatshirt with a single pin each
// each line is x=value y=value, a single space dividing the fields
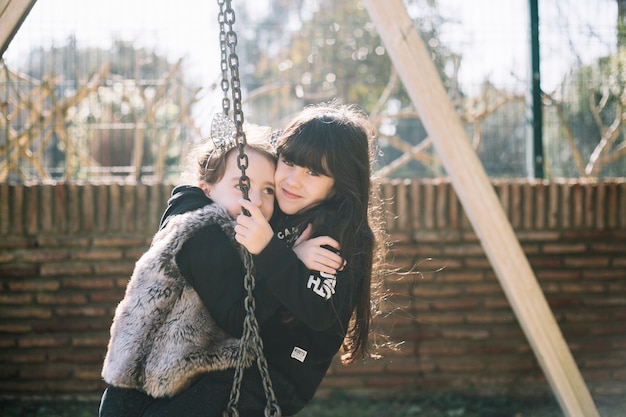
x=303 y=315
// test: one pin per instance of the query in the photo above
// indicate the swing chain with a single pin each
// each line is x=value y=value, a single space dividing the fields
x=221 y=18
x=230 y=60
x=250 y=342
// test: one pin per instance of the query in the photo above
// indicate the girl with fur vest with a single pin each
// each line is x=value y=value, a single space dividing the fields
x=323 y=183
x=163 y=336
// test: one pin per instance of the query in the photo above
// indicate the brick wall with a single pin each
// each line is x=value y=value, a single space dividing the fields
x=67 y=250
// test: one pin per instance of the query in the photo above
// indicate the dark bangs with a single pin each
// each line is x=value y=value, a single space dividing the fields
x=312 y=145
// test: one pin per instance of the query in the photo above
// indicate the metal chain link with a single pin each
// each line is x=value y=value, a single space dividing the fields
x=250 y=344
x=224 y=56
x=229 y=51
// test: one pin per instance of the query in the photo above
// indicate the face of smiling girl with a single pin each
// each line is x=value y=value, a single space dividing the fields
x=299 y=188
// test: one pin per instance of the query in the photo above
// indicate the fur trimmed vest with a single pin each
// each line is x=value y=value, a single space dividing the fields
x=162 y=336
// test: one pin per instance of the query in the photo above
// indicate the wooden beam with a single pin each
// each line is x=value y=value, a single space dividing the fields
x=12 y=14
x=412 y=61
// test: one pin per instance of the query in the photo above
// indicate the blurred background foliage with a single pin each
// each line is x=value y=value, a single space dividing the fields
x=74 y=111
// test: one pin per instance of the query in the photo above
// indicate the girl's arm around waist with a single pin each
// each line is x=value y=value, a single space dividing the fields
x=316 y=298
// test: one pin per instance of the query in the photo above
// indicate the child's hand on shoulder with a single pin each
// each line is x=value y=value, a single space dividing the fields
x=253 y=232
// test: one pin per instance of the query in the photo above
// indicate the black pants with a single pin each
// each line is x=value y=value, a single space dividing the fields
x=207 y=397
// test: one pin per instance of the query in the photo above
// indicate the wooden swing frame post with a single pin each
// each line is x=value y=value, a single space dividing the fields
x=12 y=14
x=480 y=202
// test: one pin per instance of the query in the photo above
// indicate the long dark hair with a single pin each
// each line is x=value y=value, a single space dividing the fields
x=337 y=141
